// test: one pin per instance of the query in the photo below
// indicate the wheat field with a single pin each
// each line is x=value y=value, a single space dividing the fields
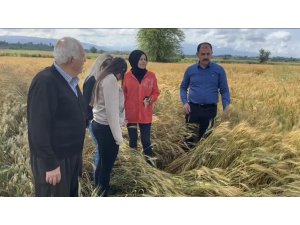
x=255 y=153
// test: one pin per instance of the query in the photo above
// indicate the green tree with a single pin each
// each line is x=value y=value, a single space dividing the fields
x=161 y=44
x=93 y=50
x=264 y=55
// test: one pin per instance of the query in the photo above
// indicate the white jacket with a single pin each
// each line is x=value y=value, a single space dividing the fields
x=109 y=110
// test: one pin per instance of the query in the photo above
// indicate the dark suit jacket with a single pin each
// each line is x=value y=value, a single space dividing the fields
x=56 y=118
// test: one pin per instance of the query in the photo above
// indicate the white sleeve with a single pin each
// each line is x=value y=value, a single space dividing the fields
x=111 y=101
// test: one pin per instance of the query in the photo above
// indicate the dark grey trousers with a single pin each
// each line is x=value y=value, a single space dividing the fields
x=70 y=169
x=204 y=116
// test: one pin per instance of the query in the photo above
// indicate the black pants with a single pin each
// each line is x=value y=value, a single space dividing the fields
x=145 y=130
x=70 y=169
x=204 y=116
x=108 y=151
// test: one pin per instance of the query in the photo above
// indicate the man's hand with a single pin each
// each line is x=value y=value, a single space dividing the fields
x=54 y=176
x=187 y=108
x=226 y=113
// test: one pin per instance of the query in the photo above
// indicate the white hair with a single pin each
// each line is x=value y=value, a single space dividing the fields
x=66 y=48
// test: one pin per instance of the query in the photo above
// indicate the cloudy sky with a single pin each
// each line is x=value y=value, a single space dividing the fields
x=280 y=42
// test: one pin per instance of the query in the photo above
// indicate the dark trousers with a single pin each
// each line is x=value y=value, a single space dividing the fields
x=204 y=116
x=70 y=169
x=108 y=151
x=145 y=130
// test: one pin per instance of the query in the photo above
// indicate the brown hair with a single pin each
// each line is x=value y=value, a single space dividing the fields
x=117 y=66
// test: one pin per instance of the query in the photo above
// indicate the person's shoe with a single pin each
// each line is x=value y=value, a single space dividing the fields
x=151 y=161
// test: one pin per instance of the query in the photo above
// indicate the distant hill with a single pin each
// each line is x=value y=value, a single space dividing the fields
x=46 y=41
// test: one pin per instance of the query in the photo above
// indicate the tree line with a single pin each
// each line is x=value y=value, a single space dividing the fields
x=26 y=46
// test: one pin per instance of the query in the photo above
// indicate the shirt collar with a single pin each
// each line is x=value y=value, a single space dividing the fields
x=71 y=80
x=208 y=66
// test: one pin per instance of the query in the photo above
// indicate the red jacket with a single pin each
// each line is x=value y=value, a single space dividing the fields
x=135 y=93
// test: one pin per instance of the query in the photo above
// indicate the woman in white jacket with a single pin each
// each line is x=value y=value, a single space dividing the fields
x=108 y=111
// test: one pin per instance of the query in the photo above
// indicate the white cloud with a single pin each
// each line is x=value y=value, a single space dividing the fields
x=283 y=42
x=280 y=42
x=279 y=35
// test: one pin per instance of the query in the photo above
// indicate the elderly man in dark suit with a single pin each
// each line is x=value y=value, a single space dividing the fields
x=56 y=122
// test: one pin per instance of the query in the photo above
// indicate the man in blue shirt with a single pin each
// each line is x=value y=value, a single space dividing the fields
x=199 y=91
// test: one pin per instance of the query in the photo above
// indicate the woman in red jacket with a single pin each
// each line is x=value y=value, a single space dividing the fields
x=140 y=91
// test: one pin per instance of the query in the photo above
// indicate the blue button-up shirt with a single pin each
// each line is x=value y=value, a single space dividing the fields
x=72 y=81
x=202 y=86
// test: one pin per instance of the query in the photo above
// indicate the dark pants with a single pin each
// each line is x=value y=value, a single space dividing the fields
x=145 y=130
x=108 y=151
x=204 y=116
x=70 y=169
x=96 y=159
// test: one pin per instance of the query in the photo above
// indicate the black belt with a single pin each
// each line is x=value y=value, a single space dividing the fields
x=203 y=105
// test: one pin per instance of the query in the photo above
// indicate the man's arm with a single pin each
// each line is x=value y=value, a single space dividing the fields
x=42 y=105
x=224 y=89
x=184 y=87
x=183 y=91
x=225 y=93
